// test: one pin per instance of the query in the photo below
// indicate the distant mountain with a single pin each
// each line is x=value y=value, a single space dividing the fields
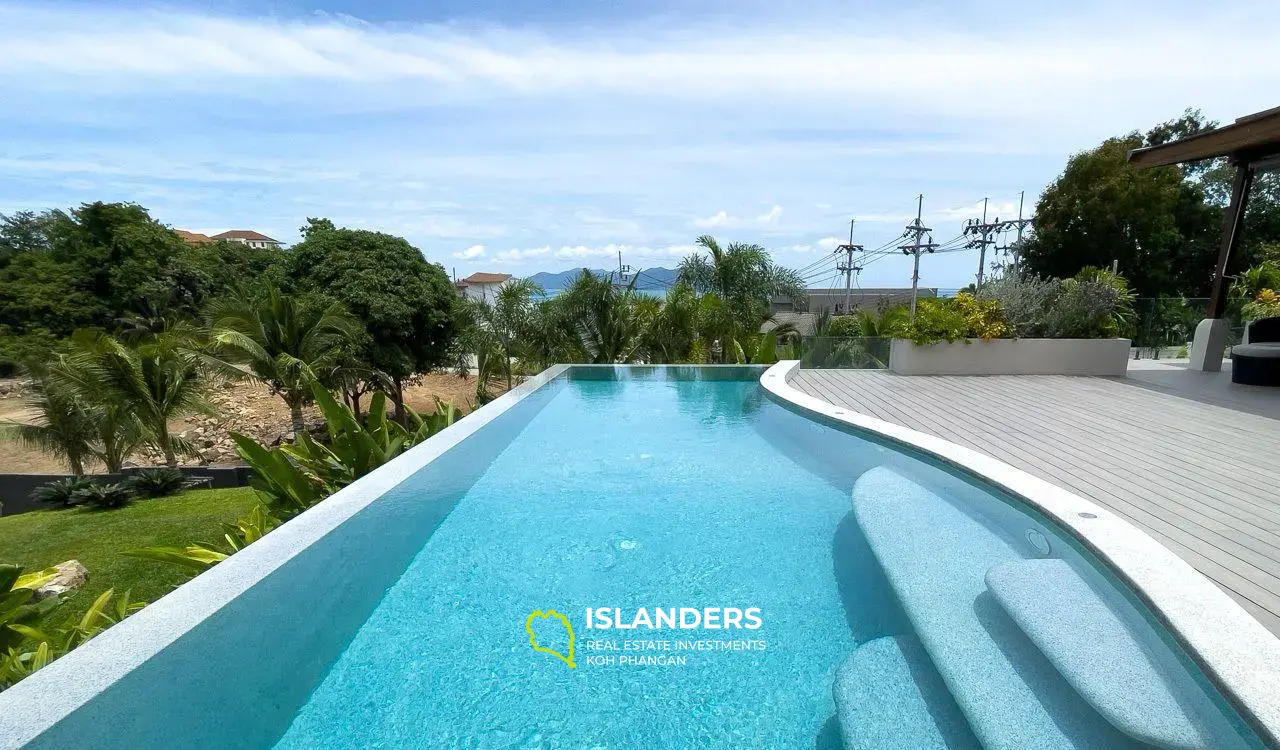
x=656 y=280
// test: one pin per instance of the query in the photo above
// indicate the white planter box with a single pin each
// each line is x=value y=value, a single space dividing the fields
x=1107 y=357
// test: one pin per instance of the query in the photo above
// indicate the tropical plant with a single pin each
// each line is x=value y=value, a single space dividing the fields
x=283 y=341
x=150 y=384
x=62 y=425
x=200 y=556
x=962 y=317
x=608 y=320
x=1265 y=305
x=17 y=662
x=498 y=329
x=18 y=603
x=293 y=477
x=61 y=492
x=1252 y=281
x=104 y=496
x=157 y=482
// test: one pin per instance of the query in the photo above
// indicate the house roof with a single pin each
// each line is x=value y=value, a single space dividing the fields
x=193 y=238
x=243 y=234
x=1250 y=137
x=480 y=277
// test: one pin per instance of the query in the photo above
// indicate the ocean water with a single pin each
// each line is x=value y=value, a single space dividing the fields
x=619 y=493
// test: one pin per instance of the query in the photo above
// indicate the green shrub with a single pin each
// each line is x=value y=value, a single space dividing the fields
x=844 y=326
x=160 y=482
x=62 y=492
x=964 y=317
x=105 y=496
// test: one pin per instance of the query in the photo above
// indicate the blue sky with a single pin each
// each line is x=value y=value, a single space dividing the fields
x=528 y=136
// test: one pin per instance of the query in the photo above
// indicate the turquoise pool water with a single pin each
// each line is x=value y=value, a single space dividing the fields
x=899 y=604
x=619 y=494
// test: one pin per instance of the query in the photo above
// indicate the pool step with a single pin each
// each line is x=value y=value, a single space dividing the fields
x=1148 y=697
x=936 y=558
x=888 y=696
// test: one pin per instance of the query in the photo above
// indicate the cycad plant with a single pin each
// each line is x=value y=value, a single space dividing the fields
x=284 y=342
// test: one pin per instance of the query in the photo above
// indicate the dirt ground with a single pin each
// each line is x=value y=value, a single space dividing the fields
x=245 y=407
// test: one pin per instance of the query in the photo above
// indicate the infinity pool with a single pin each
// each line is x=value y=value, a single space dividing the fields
x=897 y=604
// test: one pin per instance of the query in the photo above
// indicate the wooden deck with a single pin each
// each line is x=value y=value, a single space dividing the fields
x=1202 y=477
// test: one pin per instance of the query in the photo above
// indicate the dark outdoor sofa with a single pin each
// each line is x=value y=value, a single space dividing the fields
x=1257 y=360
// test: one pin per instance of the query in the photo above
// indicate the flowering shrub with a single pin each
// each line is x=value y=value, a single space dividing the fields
x=1265 y=305
x=964 y=317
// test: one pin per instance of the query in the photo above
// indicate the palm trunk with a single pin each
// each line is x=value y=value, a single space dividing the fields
x=170 y=459
x=295 y=417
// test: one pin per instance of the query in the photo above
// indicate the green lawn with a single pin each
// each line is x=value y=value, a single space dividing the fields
x=44 y=538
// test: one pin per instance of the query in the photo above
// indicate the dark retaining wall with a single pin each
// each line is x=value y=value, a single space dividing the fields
x=16 y=489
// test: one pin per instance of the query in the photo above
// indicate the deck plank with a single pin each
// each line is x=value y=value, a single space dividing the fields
x=1195 y=475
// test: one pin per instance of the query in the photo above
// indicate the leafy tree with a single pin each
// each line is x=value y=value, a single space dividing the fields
x=284 y=342
x=407 y=305
x=1155 y=222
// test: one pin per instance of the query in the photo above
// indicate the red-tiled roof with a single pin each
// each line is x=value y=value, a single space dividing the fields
x=243 y=234
x=193 y=238
x=480 y=277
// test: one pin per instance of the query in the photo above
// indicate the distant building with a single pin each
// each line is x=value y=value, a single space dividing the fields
x=250 y=238
x=482 y=286
x=193 y=238
x=832 y=301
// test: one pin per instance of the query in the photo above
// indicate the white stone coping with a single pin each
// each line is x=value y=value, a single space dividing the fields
x=1236 y=652
x=38 y=702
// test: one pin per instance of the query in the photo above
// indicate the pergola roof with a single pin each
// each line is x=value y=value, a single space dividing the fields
x=1251 y=138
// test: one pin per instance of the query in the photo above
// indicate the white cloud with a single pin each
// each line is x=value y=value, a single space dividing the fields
x=829 y=243
x=1065 y=68
x=471 y=253
x=722 y=220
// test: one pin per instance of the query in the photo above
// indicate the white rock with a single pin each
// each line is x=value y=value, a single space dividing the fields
x=71 y=575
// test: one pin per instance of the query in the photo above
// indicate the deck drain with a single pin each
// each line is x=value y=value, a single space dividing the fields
x=1087 y=515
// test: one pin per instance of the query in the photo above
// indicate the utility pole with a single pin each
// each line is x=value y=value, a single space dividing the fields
x=919 y=229
x=983 y=230
x=847 y=267
x=622 y=270
x=1019 y=224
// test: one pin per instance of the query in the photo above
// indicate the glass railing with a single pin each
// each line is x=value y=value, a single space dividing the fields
x=842 y=352
x=1162 y=327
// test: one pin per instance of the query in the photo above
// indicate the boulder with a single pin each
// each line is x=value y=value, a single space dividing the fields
x=71 y=575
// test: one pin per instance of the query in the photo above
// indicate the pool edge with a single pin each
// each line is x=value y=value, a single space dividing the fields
x=35 y=704
x=1239 y=655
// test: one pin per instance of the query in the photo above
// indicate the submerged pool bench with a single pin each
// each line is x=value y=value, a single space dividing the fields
x=1030 y=653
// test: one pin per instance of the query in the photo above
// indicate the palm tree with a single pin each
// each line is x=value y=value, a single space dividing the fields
x=496 y=334
x=62 y=424
x=152 y=383
x=742 y=278
x=283 y=342
x=608 y=320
